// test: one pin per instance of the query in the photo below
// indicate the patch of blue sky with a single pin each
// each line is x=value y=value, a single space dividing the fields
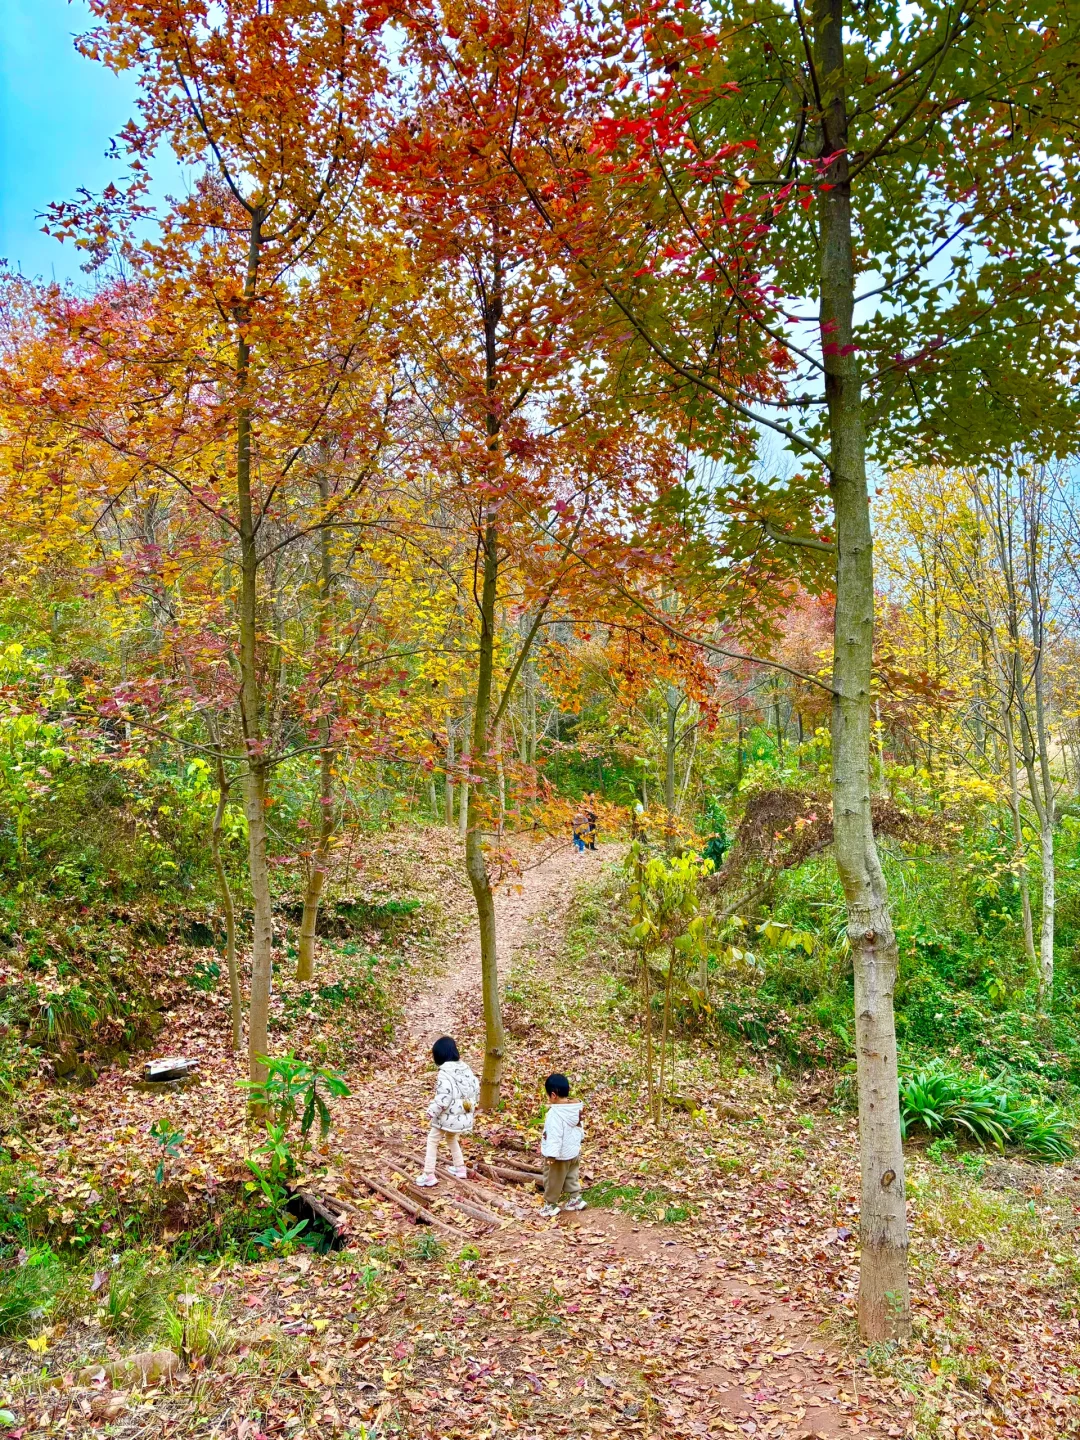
x=58 y=114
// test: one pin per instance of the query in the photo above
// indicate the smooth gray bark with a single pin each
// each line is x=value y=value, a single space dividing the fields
x=884 y=1300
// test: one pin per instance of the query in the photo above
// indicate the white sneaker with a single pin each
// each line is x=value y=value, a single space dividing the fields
x=427 y=1181
x=576 y=1204
x=458 y=1171
x=549 y=1210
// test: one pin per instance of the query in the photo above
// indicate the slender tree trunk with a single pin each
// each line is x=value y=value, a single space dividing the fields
x=1047 y=816
x=883 y=777
x=475 y=862
x=1019 y=857
x=884 y=1301
x=673 y=700
x=236 y=1000
x=665 y=1029
x=464 y=788
x=646 y=992
x=530 y=710
x=779 y=720
x=316 y=880
x=689 y=769
x=256 y=787
x=433 y=797
x=449 y=773
x=500 y=770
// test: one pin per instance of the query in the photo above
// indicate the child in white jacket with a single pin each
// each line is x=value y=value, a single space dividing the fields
x=561 y=1147
x=451 y=1112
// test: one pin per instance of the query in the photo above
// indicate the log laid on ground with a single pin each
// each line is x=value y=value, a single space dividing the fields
x=418 y=1212
x=504 y=1172
x=487 y=1222
x=321 y=1207
x=523 y=1167
x=474 y=1212
x=478 y=1192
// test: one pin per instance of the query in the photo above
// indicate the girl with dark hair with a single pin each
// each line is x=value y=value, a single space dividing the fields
x=451 y=1112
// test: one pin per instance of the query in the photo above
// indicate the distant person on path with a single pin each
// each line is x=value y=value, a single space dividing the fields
x=590 y=824
x=561 y=1147
x=578 y=826
x=451 y=1112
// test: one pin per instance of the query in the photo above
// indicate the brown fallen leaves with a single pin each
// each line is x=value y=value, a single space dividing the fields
x=731 y=1315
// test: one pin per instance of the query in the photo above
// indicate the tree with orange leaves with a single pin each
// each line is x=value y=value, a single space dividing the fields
x=237 y=362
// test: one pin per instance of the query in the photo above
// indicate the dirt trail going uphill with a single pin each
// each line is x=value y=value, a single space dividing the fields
x=544 y=888
x=592 y=1323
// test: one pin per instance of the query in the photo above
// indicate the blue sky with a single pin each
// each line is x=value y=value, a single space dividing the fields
x=57 y=113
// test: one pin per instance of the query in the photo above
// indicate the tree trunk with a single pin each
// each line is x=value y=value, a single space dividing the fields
x=530 y=711
x=500 y=770
x=1019 y=856
x=1042 y=736
x=305 y=958
x=884 y=1301
x=665 y=1030
x=316 y=880
x=256 y=783
x=449 y=772
x=475 y=861
x=673 y=700
x=236 y=999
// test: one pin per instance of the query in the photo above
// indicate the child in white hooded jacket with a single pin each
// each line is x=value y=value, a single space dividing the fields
x=561 y=1147
x=451 y=1112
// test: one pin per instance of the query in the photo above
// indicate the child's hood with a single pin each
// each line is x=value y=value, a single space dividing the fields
x=457 y=1072
x=569 y=1111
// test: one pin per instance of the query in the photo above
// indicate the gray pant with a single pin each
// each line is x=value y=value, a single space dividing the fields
x=561 y=1180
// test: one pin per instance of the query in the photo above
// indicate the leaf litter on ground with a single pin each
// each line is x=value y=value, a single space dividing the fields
x=711 y=1292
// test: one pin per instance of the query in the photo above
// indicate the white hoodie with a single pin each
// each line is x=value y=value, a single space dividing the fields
x=562 y=1131
x=456 y=1093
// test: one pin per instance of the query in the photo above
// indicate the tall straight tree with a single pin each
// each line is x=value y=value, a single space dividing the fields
x=270 y=106
x=506 y=367
x=745 y=177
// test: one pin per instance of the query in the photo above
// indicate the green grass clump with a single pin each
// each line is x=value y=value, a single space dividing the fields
x=657 y=1204
x=944 y=1100
x=30 y=1291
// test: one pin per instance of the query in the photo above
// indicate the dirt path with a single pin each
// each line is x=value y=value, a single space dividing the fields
x=543 y=888
x=660 y=1338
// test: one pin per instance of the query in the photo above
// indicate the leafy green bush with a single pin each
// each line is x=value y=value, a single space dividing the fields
x=290 y=1083
x=943 y=1100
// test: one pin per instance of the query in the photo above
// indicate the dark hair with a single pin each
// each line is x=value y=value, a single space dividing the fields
x=557 y=1085
x=444 y=1050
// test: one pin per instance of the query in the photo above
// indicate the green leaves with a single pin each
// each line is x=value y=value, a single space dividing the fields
x=944 y=1101
x=168 y=1141
x=291 y=1083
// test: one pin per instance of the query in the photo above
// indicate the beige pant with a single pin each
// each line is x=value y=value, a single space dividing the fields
x=431 y=1155
x=561 y=1179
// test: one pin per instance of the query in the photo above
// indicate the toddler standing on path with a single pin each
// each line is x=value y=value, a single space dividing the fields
x=561 y=1147
x=451 y=1112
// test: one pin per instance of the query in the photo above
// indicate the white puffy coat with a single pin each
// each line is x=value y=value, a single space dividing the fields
x=562 y=1131
x=456 y=1092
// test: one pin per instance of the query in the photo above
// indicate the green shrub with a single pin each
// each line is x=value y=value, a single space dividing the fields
x=944 y=1101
